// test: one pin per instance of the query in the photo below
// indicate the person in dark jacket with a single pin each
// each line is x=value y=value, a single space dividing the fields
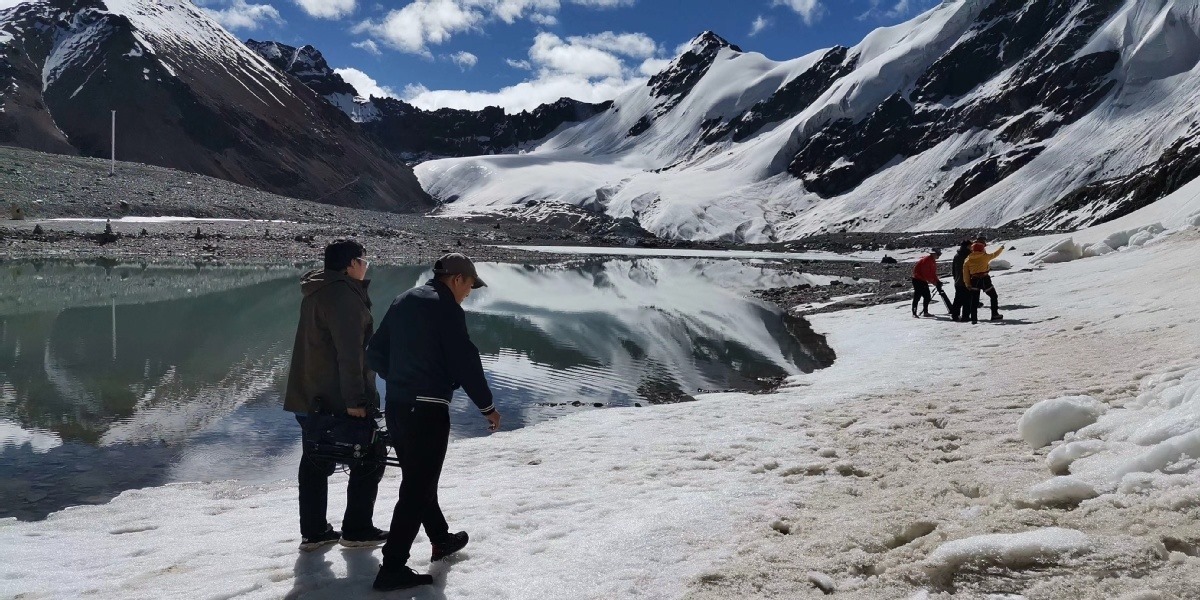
x=329 y=374
x=961 y=293
x=925 y=275
x=423 y=352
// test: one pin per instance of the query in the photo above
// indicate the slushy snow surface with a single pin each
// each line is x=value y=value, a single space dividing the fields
x=897 y=472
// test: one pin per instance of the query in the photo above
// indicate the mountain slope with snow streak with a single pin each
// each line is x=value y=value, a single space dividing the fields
x=188 y=95
x=977 y=113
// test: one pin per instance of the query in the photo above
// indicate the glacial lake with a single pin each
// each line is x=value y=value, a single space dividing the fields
x=122 y=376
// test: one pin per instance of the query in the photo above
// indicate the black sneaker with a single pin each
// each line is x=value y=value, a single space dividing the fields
x=331 y=536
x=449 y=545
x=398 y=579
x=368 y=539
x=997 y=317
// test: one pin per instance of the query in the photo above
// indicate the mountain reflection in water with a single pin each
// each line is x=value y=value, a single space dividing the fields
x=121 y=376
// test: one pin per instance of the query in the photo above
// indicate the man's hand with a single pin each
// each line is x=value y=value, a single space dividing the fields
x=493 y=421
x=357 y=412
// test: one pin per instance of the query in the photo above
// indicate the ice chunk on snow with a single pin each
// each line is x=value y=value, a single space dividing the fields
x=1001 y=265
x=1059 y=252
x=1140 y=238
x=1060 y=491
x=1059 y=460
x=1159 y=432
x=1007 y=550
x=1097 y=249
x=821 y=581
x=1050 y=420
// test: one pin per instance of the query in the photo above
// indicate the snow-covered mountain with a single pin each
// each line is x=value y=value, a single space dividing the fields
x=188 y=95
x=417 y=134
x=977 y=113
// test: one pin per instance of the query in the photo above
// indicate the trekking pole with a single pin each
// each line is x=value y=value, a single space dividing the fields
x=946 y=299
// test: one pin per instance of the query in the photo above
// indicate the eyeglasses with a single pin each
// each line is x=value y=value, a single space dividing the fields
x=365 y=263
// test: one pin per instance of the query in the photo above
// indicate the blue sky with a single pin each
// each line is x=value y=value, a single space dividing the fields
x=521 y=53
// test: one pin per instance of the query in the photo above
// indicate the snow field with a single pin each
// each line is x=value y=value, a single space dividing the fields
x=938 y=457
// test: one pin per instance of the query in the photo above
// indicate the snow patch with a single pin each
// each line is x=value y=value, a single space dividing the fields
x=1050 y=420
x=1060 y=491
x=1008 y=550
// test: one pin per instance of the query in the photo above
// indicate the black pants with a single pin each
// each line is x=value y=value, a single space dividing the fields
x=981 y=284
x=921 y=292
x=961 y=294
x=314 y=494
x=420 y=434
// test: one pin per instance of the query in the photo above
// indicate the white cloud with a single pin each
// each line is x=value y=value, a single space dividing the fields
x=464 y=60
x=760 y=23
x=327 y=9
x=369 y=46
x=526 y=95
x=510 y=11
x=424 y=23
x=365 y=84
x=553 y=54
x=633 y=45
x=899 y=10
x=653 y=66
x=591 y=68
x=238 y=14
x=809 y=10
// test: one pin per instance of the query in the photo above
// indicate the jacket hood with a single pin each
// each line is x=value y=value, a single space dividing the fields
x=314 y=281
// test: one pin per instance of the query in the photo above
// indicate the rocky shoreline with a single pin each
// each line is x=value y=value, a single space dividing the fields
x=73 y=209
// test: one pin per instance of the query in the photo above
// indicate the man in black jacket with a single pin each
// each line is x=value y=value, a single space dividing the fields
x=961 y=293
x=329 y=374
x=423 y=352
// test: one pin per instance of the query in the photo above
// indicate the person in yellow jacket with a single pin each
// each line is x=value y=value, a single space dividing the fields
x=976 y=277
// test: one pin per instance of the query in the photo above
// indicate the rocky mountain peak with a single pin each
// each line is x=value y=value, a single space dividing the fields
x=305 y=63
x=709 y=41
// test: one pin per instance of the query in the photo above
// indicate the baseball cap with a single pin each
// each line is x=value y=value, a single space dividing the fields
x=458 y=264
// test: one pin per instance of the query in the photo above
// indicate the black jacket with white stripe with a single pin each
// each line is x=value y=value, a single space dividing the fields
x=423 y=351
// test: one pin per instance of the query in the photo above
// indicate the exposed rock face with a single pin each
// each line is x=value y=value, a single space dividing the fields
x=417 y=134
x=1047 y=87
x=675 y=82
x=420 y=134
x=188 y=95
x=1114 y=198
x=789 y=99
x=306 y=64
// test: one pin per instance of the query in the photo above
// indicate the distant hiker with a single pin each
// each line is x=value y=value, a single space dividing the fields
x=329 y=374
x=961 y=293
x=925 y=275
x=423 y=351
x=977 y=279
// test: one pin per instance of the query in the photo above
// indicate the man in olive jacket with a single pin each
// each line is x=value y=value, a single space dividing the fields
x=329 y=374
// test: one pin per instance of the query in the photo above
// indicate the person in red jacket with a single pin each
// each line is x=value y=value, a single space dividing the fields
x=925 y=275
